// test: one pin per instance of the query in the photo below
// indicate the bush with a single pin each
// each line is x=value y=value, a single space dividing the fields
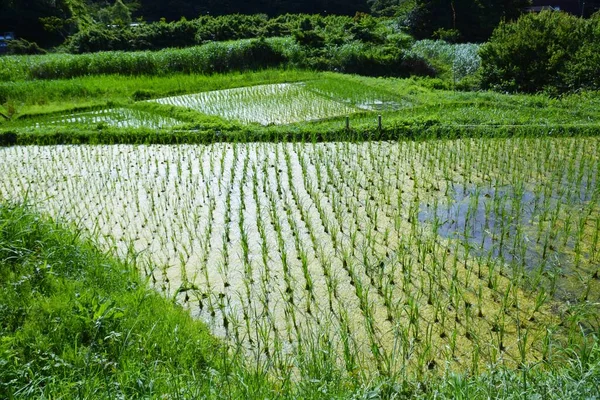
x=8 y=139
x=582 y=71
x=22 y=46
x=551 y=51
x=312 y=30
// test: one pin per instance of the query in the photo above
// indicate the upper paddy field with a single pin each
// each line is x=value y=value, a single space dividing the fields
x=303 y=223
x=270 y=104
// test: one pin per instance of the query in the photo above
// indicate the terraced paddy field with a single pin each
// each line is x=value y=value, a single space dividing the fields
x=283 y=103
x=391 y=257
x=114 y=117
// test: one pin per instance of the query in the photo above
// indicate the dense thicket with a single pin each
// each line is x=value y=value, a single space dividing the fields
x=49 y=22
x=460 y=20
x=550 y=51
x=175 y=9
x=184 y=33
x=45 y=22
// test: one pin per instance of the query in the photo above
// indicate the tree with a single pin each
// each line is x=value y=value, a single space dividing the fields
x=551 y=51
x=475 y=20
x=121 y=14
x=390 y=8
x=45 y=22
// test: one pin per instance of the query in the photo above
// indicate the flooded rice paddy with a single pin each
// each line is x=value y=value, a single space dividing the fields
x=272 y=104
x=116 y=118
x=389 y=256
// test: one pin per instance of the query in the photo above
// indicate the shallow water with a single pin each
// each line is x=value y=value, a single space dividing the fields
x=503 y=223
x=278 y=245
x=283 y=103
x=114 y=117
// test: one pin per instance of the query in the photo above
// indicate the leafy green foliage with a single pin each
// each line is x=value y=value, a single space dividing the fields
x=473 y=20
x=43 y=22
x=309 y=30
x=549 y=51
x=22 y=46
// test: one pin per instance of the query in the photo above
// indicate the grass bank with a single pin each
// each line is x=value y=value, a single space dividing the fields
x=76 y=323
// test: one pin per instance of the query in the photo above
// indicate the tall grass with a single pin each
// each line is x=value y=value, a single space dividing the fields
x=78 y=323
x=462 y=60
x=209 y=58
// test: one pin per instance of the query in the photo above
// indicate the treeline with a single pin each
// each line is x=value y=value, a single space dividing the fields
x=314 y=31
x=49 y=23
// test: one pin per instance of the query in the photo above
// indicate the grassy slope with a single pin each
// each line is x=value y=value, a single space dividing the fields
x=47 y=96
x=77 y=323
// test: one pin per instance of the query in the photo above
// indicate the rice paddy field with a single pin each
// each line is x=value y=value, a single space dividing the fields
x=363 y=256
x=114 y=117
x=279 y=102
x=265 y=104
x=389 y=257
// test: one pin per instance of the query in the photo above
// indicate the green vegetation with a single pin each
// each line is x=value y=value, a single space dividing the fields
x=550 y=51
x=453 y=62
x=301 y=206
x=100 y=24
x=459 y=20
x=46 y=112
x=314 y=30
x=79 y=324
x=213 y=57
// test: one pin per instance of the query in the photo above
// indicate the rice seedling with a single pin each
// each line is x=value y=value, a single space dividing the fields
x=282 y=103
x=423 y=257
x=114 y=117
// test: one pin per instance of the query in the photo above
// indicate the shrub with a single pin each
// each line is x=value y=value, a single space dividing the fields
x=311 y=30
x=582 y=71
x=22 y=46
x=551 y=51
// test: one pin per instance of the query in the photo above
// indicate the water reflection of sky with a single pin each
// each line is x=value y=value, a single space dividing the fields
x=503 y=223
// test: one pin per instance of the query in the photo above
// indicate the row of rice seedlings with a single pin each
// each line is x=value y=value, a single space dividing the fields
x=283 y=103
x=273 y=244
x=114 y=117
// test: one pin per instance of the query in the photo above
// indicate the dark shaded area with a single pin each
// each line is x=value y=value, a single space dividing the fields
x=25 y=18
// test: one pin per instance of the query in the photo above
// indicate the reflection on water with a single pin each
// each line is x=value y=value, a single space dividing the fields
x=504 y=223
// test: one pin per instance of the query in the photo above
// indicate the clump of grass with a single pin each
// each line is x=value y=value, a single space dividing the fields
x=460 y=60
